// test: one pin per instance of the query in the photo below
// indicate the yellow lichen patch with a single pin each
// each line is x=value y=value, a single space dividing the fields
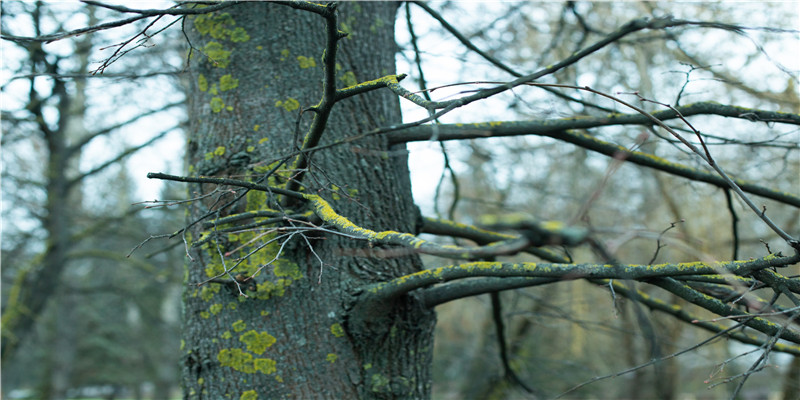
x=257 y=342
x=205 y=314
x=285 y=268
x=215 y=308
x=269 y=289
x=239 y=35
x=239 y=326
x=242 y=361
x=249 y=395
x=202 y=83
x=306 y=62
x=337 y=330
x=227 y=82
x=265 y=365
x=288 y=105
x=217 y=104
x=331 y=358
x=207 y=292
x=217 y=54
x=226 y=335
x=255 y=128
x=349 y=79
x=214 y=24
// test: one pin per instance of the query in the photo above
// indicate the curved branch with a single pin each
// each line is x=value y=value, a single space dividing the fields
x=444 y=227
x=505 y=246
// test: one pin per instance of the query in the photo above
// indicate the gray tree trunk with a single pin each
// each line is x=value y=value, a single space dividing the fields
x=295 y=336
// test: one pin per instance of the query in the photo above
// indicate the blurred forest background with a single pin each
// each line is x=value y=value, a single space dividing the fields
x=85 y=119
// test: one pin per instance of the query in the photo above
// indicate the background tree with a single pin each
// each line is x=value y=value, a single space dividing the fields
x=76 y=311
x=304 y=276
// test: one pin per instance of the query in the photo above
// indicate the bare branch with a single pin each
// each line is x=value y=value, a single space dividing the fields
x=114 y=24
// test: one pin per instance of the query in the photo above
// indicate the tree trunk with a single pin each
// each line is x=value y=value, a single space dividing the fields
x=254 y=67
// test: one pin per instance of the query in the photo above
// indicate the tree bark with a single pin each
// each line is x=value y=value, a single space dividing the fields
x=254 y=67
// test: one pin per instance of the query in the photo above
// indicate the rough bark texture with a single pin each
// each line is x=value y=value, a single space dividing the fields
x=295 y=336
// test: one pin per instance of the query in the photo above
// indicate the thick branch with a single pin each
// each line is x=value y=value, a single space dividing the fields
x=505 y=246
x=444 y=227
x=408 y=283
x=681 y=314
x=322 y=110
x=720 y=308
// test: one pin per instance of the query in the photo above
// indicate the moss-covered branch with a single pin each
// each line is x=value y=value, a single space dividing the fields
x=408 y=283
x=442 y=227
x=560 y=130
x=504 y=245
x=554 y=126
x=720 y=308
x=685 y=316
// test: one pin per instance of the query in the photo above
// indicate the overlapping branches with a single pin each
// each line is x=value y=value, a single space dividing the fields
x=695 y=282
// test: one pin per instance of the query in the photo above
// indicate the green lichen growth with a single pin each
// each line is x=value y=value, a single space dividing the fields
x=250 y=149
x=306 y=62
x=256 y=127
x=205 y=314
x=202 y=83
x=249 y=395
x=257 y=342
x=331 y=358
x=239 y=326
x=284 y=54
x=218 y=55
x=227 y=82
x=217 y=104
x=226 y=335
x=289 y=105
x=337 y=330
x=200 y=381
x=215 y=308
x=220 y=150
